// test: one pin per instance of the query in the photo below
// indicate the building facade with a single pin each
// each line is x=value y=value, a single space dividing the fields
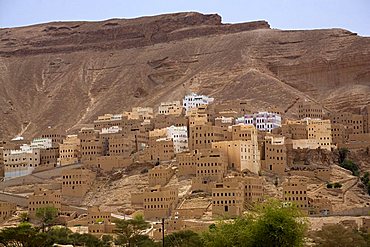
x=42 y=198
x=263 y=121
x=69 y=150
x=76 y=182
x=159 y=202
x=309 y=109
x=241 y=155
x=227 y=199
x=275 y=155
x=160 y=175
x=170 y=108
x=295 y=192
x=194 y=100
x=7 y=209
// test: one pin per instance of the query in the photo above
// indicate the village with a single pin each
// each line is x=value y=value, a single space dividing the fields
x=190 y=163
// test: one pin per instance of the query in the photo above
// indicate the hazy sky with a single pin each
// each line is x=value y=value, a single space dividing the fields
x=353 y=15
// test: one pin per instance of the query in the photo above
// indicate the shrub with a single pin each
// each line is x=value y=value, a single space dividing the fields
x=351 y=166
x=337 y=185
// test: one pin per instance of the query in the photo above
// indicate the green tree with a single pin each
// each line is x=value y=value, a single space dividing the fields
x=337 y=185
x=271 y=224
x=85 y=239
x=58 y=235
x=24 y=235
x=278 y=225
x=365 y=179
x=343 y=154
x=47 y=216
x=337 y=235
x=185 y=238
x=329 y=185
x=229 y=233
x=24 y=217
x=128 y=231
x=107 y=240
x=351 y=166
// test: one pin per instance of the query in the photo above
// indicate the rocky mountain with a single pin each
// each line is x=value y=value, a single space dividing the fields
x=64 y=74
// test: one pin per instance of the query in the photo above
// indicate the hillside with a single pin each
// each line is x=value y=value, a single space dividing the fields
x=64 y=74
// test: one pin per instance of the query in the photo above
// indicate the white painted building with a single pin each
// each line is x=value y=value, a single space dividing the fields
x=23 y=161
x=179 y=136
x=194 y=100
x=263 y=121
x=41 y=143
x=111 y=130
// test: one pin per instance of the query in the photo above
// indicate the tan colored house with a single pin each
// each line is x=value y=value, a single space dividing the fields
x=275 y=155
x=295 y=192
x=97 y=221
x=160 y=175
x=173 y=225
x=320 y=130
x=42 y=198
x=95 y=215
x=354 y=123
x=121 y=145
x=161 y=150
x=69 y=150
x=56 y=136
x=163 y=121
x=228 y=199
x=76 y=182
x=49 y=156
x=338 y=133
x=91 y=144
x=243 y=132
x=253 y=189
x=196 y=119
x=241 y=155
x=357 y=141
x=108 y=163
x=309 y=109
x=159 y=202
x=319 y=206
x=170 y=108
x=294 y=130
x=304 y=144
x=187 y=163
x=157 y=134
x=109 y=120
x=224 y=122
x=7 y=209
x=211 y=168
x=312 y=129
x=142 y=113
x=202 y=136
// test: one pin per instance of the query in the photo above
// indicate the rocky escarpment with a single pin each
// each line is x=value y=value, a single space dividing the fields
x=114 y=34
x=64 y=74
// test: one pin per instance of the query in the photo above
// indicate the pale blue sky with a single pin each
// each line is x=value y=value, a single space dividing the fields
x=353 y=15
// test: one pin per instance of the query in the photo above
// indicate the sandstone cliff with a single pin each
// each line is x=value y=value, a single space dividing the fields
x=64 y=74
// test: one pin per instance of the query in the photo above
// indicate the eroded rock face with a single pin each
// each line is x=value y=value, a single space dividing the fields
x=312 y=158
x=64 y=74
x=62 y=37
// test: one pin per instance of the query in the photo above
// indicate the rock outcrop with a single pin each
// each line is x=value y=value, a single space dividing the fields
x=64 y=74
